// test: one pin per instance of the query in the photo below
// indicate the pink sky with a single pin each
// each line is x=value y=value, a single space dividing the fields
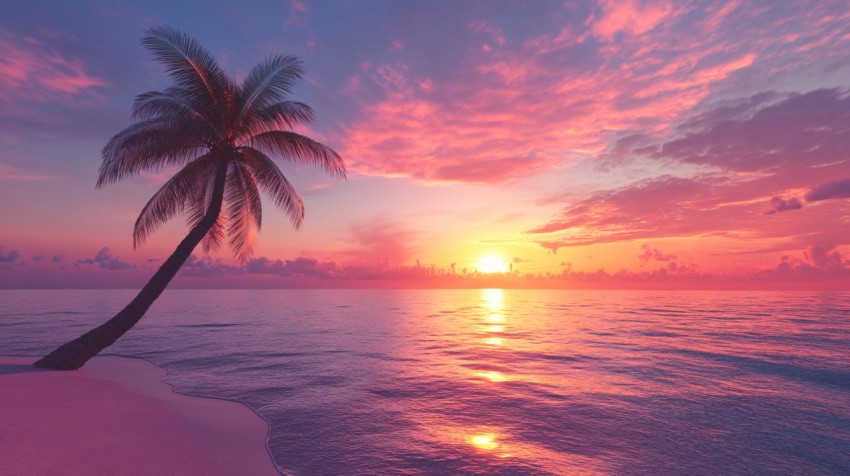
x=603 y=143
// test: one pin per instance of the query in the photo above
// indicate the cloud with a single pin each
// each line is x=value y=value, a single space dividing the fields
x=31 y=68
x=58 y=258
x=9 y=257
x=815 y=267
x=779 y=204
x=830 y=190
x=206 y=266
x=631 y=17
x=488 y=170
x=800 y=131
x=51 y=84
x=672 y=264
x=298 y=267
x=655 y=207
x=741 y=154
x=825 y=257
x=532 y=105
x=536 y=101
x=653 y=254
x=105 y=260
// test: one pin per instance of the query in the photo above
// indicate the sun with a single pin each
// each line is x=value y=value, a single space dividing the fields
x=491 y=264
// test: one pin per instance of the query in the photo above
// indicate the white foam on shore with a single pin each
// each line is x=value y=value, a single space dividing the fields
x=117 y=416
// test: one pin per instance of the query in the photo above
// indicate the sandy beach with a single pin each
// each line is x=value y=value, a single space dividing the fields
x=117 y=416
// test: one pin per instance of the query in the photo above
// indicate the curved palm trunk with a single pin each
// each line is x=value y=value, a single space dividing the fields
x=74 y=354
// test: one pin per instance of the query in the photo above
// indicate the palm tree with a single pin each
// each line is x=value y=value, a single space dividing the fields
x=222 y=134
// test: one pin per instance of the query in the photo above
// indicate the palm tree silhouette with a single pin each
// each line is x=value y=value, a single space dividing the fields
x=222 y=135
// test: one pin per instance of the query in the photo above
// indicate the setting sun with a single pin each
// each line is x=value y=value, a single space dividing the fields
x=491 y=264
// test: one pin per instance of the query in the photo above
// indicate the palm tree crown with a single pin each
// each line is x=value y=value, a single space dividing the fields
x=221 y=134
x=204 y=121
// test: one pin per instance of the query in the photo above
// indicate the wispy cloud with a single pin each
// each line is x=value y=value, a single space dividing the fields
x=777 y=146
x=29 y=67
x=548 y=99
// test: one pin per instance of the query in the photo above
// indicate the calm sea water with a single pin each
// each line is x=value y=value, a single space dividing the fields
x=495 y=381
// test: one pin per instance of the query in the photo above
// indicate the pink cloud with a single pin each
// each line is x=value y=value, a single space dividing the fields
x=31 y=68
x=488 y=171
x=775 y=149
x=826 y=257
x=562 y=96
x=717 y=14
x=634 y=17
x=667 y=206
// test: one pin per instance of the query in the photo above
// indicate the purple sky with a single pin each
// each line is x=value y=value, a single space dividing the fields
x=690 y=138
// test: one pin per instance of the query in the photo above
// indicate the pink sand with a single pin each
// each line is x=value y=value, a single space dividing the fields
x=117 y=416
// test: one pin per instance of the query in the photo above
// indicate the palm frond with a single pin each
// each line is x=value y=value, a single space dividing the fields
x=191 y=67
x=272 y=181
x=196 y=206
x=244 y=211
x=299 y=149
x=150 y=145
x=215 y=237
x=269 y=82
x=280 y=116
x=170 y=199
x=168 y=103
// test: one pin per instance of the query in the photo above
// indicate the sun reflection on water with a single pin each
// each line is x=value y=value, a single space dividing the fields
x=493 y=304
x=486 y=441
x=495 y=317
x=496 y=341
x=493 y=376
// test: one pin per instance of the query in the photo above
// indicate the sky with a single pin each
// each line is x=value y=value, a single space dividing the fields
x=630 y=143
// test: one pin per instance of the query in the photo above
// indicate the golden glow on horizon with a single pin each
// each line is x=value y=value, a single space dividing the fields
x=491 y=264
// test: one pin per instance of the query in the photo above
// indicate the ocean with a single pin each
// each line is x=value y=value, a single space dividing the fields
x=491 y=381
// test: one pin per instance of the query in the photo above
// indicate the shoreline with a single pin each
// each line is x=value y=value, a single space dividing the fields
x=118 y=415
